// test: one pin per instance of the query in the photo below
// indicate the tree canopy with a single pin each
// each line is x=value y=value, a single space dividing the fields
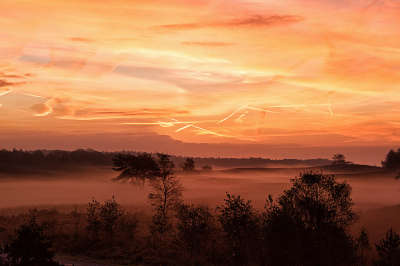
x=188 y=165
x=392 y=160
x=314 y=216
x=135 y=168
x=339 y=159
x=30 y=246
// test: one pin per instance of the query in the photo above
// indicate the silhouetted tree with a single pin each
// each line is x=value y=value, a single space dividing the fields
x=339 y=159
x=195 y=226
x=93 y=219
x=188 y=165
x=317 y=212
x=388 y=250
x=30 y=246
x=363 y=245
x=110 y=216
x=137 y=169
x=239 y=221
x=166 y=194
x=392 y=160
x=109 y=219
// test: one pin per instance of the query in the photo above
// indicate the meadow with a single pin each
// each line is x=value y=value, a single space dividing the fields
x=63 y=195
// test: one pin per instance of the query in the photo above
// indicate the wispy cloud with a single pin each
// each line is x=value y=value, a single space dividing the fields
x=210 y=44
x=4 y=83
x=251 y=21
x=80 y=39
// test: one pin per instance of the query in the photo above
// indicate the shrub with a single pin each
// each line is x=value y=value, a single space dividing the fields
x=240 y=224
x=310 y=224
x=194 y=229
x=30 y=246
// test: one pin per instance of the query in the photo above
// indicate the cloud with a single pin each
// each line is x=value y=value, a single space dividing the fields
x=4 y=83
x=186 y=79
x=96 y=114
x=79 y=39
x=3 y=75
x=46 y=108
x=211 y=44
x=251 y=21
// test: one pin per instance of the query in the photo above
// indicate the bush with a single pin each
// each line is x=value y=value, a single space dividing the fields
x=310 y=224
x=240 y=225
x=110 y=216
x=109 y=219
x=194 y=230
x=93 y=226
x=30 y=246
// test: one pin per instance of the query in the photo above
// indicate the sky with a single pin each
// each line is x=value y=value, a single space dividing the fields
x=261 y=73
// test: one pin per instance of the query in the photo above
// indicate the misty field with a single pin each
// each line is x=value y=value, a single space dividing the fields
x=375 y=193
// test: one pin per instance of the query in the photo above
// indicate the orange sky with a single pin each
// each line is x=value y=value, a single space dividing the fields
x=289 y=72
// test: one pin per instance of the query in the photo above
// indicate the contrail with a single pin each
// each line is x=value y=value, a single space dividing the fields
x=5 y=92
x=231 y=114
x=329 y=107
x=183 y=128
x=248 y=107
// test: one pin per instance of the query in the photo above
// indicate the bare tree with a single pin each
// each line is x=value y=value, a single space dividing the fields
x=166 y=194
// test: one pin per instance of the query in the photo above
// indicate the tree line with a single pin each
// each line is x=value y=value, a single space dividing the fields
x=81 y=157
x=43 y=158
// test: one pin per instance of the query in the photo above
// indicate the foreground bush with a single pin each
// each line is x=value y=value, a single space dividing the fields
x=30 y=246
x=310 y=224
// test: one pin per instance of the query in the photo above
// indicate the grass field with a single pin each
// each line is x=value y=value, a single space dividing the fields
x=375 y=193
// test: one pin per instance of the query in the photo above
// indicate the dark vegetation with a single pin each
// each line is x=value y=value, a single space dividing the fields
x=392 y=160
x=339 y=159
x=29 y=246
x=58 y=159
x=309 y=224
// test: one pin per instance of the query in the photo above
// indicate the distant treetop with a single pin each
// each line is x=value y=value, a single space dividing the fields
x=392 y=160
x=188 y=165
x=339 y=159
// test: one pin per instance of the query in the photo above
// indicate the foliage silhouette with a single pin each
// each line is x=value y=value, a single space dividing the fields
x=239 y=221
x=166 y=194
x=136 y=168
x=188 y=165
x=315 y=216
x=110 y=216
x=206 y=168
x=104 y=221
x=339 y=159
x=93 y=219
x=388 y=250
x=30 y=246
x=363 y=245
x=392 y=160
x=195 y=228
